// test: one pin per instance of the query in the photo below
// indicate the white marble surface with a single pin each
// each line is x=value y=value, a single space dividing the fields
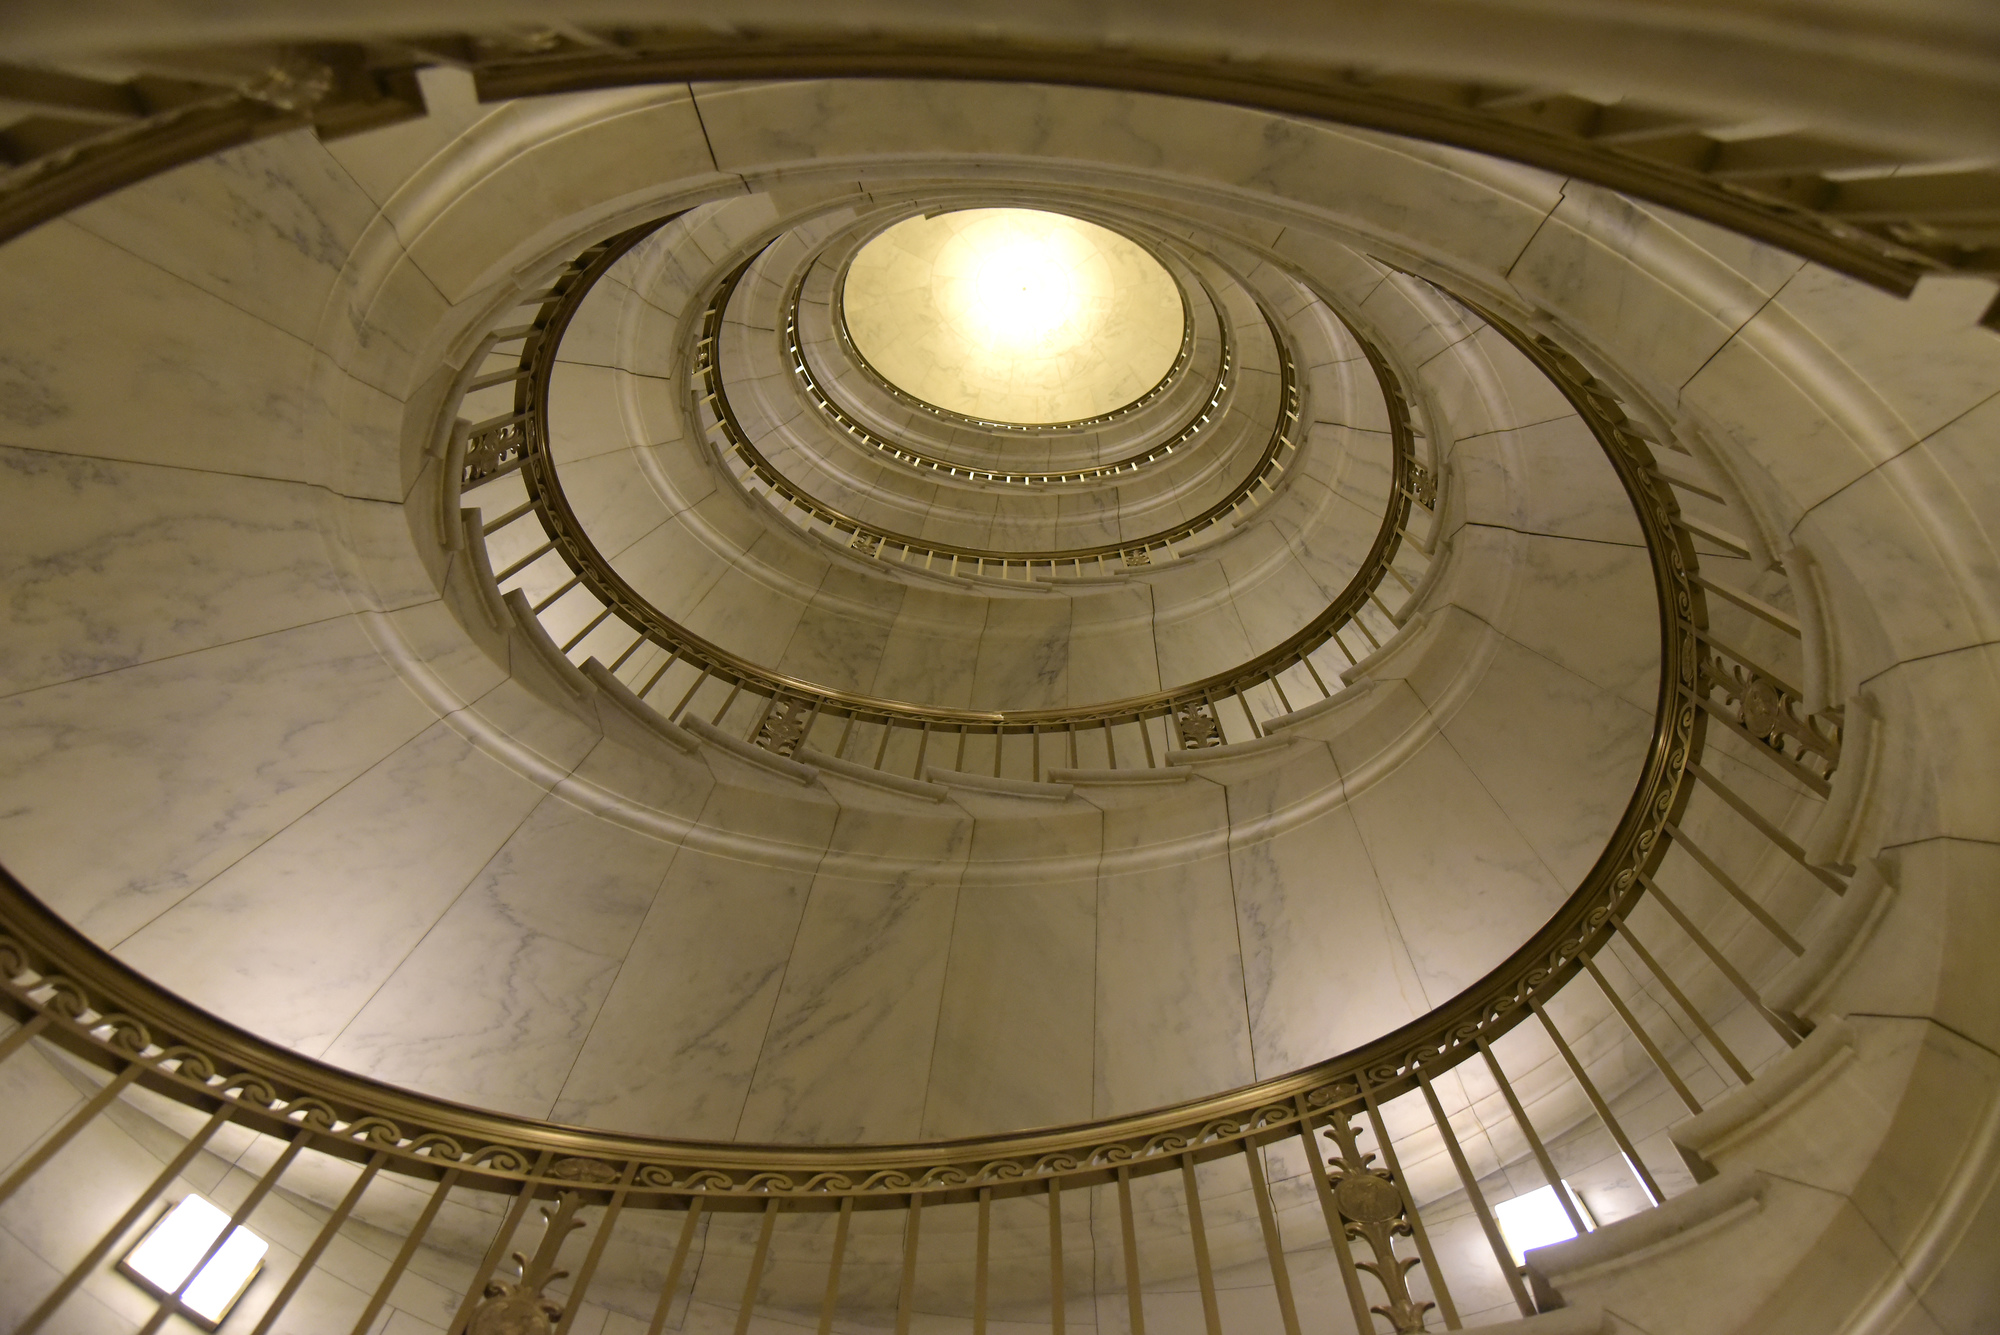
x=550 y=920
x=107 y=564
x=341 y=895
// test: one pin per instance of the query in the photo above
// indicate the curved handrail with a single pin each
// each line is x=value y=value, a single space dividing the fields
x=77 y=995
x=1270 y=462
x=822 y=398
x=518 y=440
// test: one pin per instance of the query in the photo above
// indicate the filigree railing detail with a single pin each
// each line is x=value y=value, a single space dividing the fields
x=1055 y=731
x=853 y=427
x=66 y=993
x=712 y=398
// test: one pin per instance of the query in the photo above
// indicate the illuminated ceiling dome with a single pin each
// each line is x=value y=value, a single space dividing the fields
x=1013 y=315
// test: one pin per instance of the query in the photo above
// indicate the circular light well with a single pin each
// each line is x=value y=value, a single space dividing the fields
x=1013 y=315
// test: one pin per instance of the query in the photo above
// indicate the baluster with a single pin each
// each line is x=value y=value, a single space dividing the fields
x=982 y=1245
x=1728 y=883
x=1785 y=1030
x=633 y=648
x=1768 y=830
x=1631 y=939
x=171 y=1304
x=588 y=1269
x=595 y=622
x=75 y=1123
x=1146 y=736
x=1110 y=745
x=757 y=1259
x=906 y=1292
x=1243 y=702
x=734 y=691
x=832 y=1296
x=1611 y=1124
x=310 y=1257
x=81 y=1270
x=1058 y=1301
x=1129 y=1236
x=22 y=1033
x=1274 y=1246
x=498 y=1247
x=923 y=744
x=1440 y=1291
x=673 y=1279
x=1639 y=1032
x=1211 y=1314
x=1336 y=1227
x=699 y=682
x=1477 y=1197
x=406 y=1253
x=1535 y=1146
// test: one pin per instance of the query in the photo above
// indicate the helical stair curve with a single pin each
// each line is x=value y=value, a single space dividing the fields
x=1408 y=1235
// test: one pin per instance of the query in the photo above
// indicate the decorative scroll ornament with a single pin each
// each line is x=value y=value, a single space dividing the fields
x=1371 y=1205
x=1138 y=557
x=520 y=1308
x=868 y=544
x=1423 y=485
x=496 y=450
x=1770 y=713
x=784 y=727
x=1197 y=725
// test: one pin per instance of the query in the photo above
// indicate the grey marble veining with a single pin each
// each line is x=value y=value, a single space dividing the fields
x=493 y=1005
x=341 y=895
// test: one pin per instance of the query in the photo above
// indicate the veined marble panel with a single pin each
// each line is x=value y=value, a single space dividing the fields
x=493 y=1005
x=1590 y=606
x=1023 y=654
x=1169 y=970
x=678 y=1036
x=266 y=227
x=1462 y=903
x=340 y=896
x=849 y=1051
x=107 y=564
x=1324 y=962
x=199 y=382
x=1561 y=755
x=1015 y=1040
x=193 y=760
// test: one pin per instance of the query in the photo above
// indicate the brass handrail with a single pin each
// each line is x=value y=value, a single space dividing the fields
x=1270 y=461
x=101 y=1010
x=823 y=399
x=64 y=991
x=519 y=442
x=1792 y=190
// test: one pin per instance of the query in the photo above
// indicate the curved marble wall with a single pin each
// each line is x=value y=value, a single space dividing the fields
x=307 y=790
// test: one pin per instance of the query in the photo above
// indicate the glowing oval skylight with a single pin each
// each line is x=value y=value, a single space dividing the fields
x=1013 y=315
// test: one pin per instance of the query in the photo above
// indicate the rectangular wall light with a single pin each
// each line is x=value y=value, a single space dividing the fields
x=172 y=1247
x=1538 y=1219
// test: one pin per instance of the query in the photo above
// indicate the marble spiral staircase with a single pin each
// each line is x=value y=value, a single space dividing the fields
x=503 y=709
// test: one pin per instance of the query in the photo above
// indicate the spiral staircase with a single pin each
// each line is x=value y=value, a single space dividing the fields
x=565 y=780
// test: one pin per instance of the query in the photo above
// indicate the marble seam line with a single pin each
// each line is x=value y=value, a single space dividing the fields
x=1878 y=466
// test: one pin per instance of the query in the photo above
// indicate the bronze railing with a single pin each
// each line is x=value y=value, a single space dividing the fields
x=1347 y=1114
x=908 y=455
x=1279 y=449
x=784 y=710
